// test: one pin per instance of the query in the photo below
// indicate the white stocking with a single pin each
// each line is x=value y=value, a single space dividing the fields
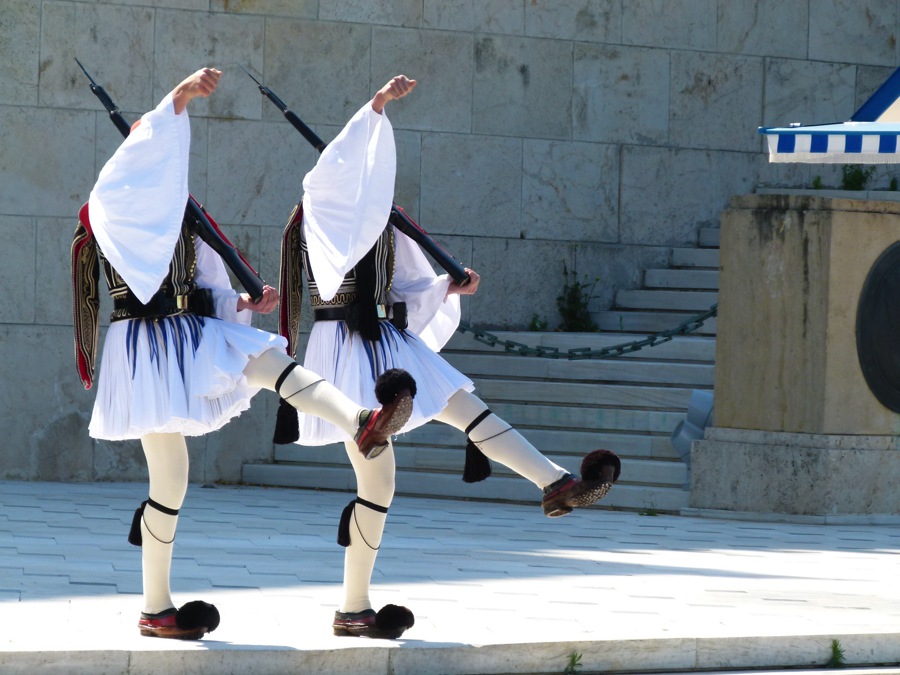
x=304 y=389
x=375 y=483
x=167 y=464
x=499 y=441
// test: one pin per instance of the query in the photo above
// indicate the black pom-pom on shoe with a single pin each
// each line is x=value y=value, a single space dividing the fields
x=599 y=470
x=391 y=383
x=394 y=620
x=196 y=614
x=603 y=465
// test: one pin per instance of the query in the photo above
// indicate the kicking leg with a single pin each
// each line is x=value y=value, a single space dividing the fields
x=500 y=442
x=312 y=394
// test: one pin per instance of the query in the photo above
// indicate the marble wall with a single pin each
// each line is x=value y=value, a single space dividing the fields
x=598 y=133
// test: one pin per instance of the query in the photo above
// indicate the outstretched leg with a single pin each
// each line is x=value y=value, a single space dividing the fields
x=500 y=442
x=167 y=464
x=303 y=389
x=312 y=394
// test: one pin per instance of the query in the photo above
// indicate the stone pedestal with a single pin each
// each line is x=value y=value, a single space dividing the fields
x=797 y=429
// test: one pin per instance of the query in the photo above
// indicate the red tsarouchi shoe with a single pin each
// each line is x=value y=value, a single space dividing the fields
x=191 y=622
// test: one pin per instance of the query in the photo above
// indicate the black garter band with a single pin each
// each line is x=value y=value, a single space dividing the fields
x=287 y=424
x=344 y=526
x=281 y=378
x=134 y=535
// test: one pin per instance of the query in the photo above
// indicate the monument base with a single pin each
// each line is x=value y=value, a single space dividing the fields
x=795 y=473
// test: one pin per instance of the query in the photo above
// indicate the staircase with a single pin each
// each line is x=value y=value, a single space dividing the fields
x=566 y=408
x=669 y=296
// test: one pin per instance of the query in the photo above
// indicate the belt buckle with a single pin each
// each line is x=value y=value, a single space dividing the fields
x=181 y=302
x=382 y=311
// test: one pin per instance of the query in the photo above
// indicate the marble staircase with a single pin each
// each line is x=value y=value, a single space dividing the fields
x=566 y=408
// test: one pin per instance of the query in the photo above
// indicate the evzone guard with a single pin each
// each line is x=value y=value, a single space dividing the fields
x=378 y=306
x=180 y=357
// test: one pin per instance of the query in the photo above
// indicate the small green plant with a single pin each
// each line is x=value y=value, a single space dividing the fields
x=648 y=512
x=817 y=183
x=855 y=177
x=893 y=185
x=573 y=664
x=837 y=655
x=573 y=304
x=537 y=324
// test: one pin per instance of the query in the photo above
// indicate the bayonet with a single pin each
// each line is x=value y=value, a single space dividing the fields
x=290 y=115
x=114 y=113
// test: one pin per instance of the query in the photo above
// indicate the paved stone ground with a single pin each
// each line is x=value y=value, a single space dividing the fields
x=496 y=588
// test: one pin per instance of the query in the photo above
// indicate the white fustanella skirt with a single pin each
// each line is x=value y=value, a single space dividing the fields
x=352 y=364
x=181 y=374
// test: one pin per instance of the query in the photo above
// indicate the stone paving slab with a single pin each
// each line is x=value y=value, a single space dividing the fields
x=496 y=588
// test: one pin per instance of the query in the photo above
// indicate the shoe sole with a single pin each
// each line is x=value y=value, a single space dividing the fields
x=173 y=633
x=403 y=407
x=369 y=632
x=584 y=494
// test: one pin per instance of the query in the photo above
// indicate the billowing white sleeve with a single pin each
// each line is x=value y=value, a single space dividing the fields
x=347 y=197
x=137 y=205
x=432 y=315
x=211 y=273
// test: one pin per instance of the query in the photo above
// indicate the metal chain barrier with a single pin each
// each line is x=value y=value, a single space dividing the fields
x=613 y=351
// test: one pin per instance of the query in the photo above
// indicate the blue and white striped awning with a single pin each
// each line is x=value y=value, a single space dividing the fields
x=869 y=137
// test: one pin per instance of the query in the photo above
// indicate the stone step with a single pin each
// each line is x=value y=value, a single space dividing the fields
x=621 y=396
x=496 y=488
x=688 y=279
x=411 y=455
x=689 y=301
x=597 y=419
x=648 y=322
x=708 y=237
x=680 y=348
x=594 y=371
x=695 y=257
x=556 y=442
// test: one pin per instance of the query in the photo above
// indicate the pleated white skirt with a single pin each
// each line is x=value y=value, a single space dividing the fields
x=180 y=374
x=352 y=364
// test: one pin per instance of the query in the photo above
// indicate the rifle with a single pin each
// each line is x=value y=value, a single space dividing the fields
x=200 y=221
x=398 y=217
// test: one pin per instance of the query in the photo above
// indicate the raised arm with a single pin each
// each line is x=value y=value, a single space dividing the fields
x=398 y=87
x=202 y=83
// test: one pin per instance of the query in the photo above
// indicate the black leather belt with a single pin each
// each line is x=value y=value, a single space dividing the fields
x=199 y=302
x=395 y=313
x=344 y=312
